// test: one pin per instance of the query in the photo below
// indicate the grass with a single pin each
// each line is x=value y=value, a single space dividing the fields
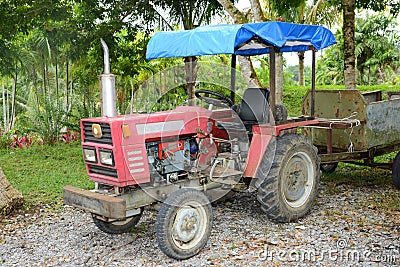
x=356 y=176
x=40 y=172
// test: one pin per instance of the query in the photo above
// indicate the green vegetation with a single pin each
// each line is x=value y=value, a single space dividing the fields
x=356 y=176
x=40 y=172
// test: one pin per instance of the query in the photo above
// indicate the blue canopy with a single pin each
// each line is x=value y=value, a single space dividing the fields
x=240 y=39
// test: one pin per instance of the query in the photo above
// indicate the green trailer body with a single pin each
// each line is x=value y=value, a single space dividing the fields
x=353 y=125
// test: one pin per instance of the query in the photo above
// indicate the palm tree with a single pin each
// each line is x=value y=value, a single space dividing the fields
x=376 y=46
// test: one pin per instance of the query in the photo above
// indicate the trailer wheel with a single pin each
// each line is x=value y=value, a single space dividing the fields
x=117 y=227
x=396 y=171
x=287 y=191
x=328 y=167
x=184 y=223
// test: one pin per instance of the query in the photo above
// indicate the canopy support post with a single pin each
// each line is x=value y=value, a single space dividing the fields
x=313 y=84
x=272 y=82
x=233 y=77
x=191 y=76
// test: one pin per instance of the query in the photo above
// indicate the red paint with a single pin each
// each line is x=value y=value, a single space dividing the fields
x=170 y=147
x=130 y=156
x=262 y=135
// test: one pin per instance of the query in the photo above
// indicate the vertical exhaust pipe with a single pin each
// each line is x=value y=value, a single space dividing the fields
x=107 y=87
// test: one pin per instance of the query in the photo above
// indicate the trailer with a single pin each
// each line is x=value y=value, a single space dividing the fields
x=355 y=127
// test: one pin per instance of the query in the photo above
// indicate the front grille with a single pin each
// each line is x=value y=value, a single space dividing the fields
x=106 y=138
x=102 y=171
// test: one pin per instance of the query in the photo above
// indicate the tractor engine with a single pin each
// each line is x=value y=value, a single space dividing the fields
x=171 y=159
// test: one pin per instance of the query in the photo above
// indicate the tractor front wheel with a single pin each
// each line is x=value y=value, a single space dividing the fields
x=289 y=177
x=117 y=227
x=184 y=223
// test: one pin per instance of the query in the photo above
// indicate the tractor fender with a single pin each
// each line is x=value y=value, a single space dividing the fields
x=259 y=144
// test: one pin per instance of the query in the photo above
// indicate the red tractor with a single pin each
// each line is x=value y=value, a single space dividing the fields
x=180 y=157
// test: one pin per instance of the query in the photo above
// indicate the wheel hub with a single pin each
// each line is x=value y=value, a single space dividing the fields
x=298 y=179
x=186 y=224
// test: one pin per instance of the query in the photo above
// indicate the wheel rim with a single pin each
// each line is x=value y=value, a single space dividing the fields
x=298 y=179
x=189 y=226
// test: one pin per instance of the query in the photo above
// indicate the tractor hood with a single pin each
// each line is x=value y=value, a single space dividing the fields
x=240 y=39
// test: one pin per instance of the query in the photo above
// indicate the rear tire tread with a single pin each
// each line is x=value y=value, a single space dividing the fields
x=268 y=190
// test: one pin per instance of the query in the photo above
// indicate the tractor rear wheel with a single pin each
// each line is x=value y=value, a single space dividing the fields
x=117 y=227
x=288 y=178
x=396 y=171
x=183 y=223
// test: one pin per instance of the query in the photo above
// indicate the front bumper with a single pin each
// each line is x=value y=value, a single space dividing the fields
x=103 y=205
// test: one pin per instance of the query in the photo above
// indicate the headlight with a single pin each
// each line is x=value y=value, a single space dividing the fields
x=89 y=154
x=106 y=157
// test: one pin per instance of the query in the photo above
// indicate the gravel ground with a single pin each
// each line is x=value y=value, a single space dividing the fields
x=344 y=229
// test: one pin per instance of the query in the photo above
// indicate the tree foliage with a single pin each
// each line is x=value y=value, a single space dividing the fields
x=379 y=5
x=50 y=53
x=377 y=52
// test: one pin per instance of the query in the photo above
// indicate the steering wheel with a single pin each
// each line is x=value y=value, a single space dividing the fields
x=218 y=99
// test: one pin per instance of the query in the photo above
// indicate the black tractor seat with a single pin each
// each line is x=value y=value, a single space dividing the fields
x=253 y=110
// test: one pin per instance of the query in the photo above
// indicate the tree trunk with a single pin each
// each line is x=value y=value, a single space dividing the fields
x=57 y=85
x=349 y=44
x=362 y=82
x=4 y=109
x=301 y=54
x=44 y=76
x=301 y=69
x=13 y=96
x=8 y=106
x=381 y=75
x=248 y=72
x=35 y=85
x=235 y=13
x=369 y=75
x=10 y=198
x=257 y=11
x=71 y=90
x=85 y=111
x=66 y=84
